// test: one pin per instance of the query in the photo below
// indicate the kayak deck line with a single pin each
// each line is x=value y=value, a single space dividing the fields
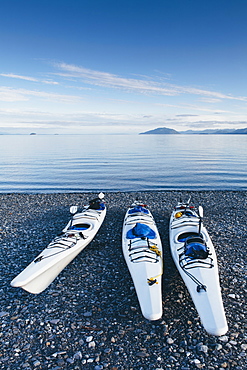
x=195 y=263
x=141 y=253
x=57 y=243
x=184 y=223
x=133 y=222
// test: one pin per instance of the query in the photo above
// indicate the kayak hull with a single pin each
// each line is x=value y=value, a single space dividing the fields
x=144 y=264
x=207 y=300
x=39 y=274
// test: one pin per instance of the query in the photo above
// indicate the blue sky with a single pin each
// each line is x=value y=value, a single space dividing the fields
x=91 y=66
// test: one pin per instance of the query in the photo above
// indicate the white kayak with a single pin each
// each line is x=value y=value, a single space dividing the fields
x=142 y=251
x=194 y=255
x=78 y=233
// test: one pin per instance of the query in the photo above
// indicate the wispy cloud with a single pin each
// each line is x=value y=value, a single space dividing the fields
x=109 y=80
x=186 y=115
x=209 y=100
x=8 y=94
x=28 y=78
x=48 y=82
x=216 y=124
x=193 y=107
x=11 y=95
x=141 y=86
x=12 y=75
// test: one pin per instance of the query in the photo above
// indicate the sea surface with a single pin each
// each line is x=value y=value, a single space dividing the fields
x=72 y=163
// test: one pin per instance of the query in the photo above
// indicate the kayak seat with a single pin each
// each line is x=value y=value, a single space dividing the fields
x=195 y=247
x=141 y=231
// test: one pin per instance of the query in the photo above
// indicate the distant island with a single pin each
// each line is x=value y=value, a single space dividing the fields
x=161 y=131
x=169 y=131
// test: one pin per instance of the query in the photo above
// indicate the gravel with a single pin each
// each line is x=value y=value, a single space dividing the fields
x=89 y=317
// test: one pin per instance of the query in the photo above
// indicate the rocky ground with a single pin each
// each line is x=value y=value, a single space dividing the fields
x=89 y=317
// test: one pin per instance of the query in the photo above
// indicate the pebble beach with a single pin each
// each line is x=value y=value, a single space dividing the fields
x=89 y=317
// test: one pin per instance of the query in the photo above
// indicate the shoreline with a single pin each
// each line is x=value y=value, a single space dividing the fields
x=89 y=317
x=50 y=192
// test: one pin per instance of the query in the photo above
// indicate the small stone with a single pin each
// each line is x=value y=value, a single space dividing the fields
x=196 y=361
x=55 y=321
x=87 y=314
x=169 y=341
x=224 y=338
x=202 y=348
x=91 y=344
x=26 y=364
x=233 y=296
x=3 y=313
x=134 y=309
x=224 y=365
x=107 y=350
x=89 y=339
x=36 y=363
x=244 y=346
x=70 y=360
x=218 y=347
x=78 y=355
x=141 y=354
x=60 y=362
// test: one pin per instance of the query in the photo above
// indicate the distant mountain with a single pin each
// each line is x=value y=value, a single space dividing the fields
x=240 y=131
x=160 y=131
x=216 y=132
x=168 y=131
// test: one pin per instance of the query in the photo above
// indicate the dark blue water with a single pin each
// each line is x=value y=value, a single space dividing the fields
x=56 y=163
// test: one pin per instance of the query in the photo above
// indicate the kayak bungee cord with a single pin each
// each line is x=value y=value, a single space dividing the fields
x=207 y=264
x=200 y=286
x=146 y=249
x=210 y=264
x=57 y=243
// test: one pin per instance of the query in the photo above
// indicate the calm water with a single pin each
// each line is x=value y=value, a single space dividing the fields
x=122 y=162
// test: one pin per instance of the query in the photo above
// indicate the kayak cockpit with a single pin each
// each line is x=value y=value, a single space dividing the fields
x=80 y=227
x=181 y=238
x=138 y=209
